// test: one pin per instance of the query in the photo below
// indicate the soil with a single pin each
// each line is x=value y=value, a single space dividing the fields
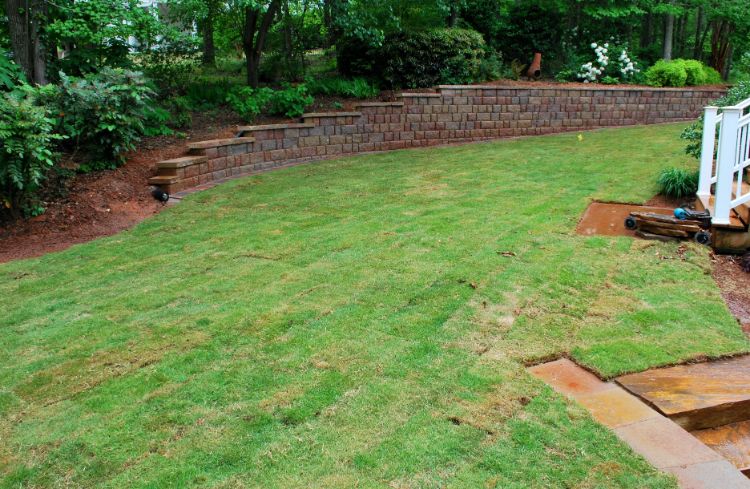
x=735 y=287
x=106 y=202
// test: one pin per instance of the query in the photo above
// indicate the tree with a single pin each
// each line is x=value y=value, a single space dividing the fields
x=25 y=24
x=258 y=17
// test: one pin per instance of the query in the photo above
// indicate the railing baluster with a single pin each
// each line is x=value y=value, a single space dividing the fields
x=726 y=161
x=707 y=153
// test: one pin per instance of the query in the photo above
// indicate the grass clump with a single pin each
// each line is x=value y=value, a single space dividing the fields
x=678 y=182
x=354 y=88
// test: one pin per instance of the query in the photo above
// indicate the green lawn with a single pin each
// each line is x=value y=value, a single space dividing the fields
x=362 y=322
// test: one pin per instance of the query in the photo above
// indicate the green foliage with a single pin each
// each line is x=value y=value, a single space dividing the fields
x=426 y=58
x=208 y=92
x=103 y=114
x=163 y=119
x=693 y=134
x=26 y=151
x=95 y=33
x=678 y=182
x=666 y=74
x=609 y=80
x=354 y=88
x=249 y=103
x=290 y=101
x=11 y=75
x=681 y=72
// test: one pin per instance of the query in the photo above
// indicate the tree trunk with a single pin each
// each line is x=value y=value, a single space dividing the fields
x=254 y=37
x=698 y=46
x=18 y=28
x=720 y=33
x=646 y=31
x=453 y=18
x=209 y=50
x=668 y=33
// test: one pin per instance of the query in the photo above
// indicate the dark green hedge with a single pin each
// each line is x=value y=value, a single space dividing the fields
x=418 y=59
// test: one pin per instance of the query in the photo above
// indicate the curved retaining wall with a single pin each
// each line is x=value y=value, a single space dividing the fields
x=455 y=113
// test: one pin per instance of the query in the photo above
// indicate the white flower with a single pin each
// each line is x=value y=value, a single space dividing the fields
x=593 y=45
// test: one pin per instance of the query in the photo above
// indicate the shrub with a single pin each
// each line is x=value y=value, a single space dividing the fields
x=354 y=88
x=693 y=134
x=290 y=101
x=417 y=58
x=678 y=183
x=103 y=114
x=666 y=74
x=713 y=77
x=207 y=92
x=249 y=103
x=695 y=71
x=606 y=71
x=11 y=75
x=26 y=144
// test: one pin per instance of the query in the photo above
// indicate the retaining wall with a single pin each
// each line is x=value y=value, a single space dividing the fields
x=450 y=115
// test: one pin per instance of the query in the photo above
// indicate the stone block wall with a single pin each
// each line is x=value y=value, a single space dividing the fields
x=452 y=114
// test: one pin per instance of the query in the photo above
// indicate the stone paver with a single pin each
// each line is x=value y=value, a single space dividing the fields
x=714 y=475
x=658 y=439
x=615 y=408
x=568 y=378
x=702 y=395
x=732 y=441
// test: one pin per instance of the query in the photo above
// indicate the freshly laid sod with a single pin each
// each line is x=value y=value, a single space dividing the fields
x=362 y=322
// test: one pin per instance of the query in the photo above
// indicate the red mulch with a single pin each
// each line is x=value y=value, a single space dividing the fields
x=106 y=202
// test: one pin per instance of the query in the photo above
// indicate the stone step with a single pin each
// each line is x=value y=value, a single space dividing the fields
x=163 y=180
x=218 y=143
x=697 y=396
x=271 y=127
x=182 y=162
x=732 y=441
x=320 y=115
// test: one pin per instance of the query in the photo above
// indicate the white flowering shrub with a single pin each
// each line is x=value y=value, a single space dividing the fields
x=603 y=69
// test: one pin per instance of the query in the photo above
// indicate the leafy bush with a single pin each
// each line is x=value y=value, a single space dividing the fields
x=427 y=58
x=694 y=69
x=604 y=70
x=354 y=88
x=249 y=103
x=666 y=74
x=163 y=119
x=694 y=132
x=681 y=72
x=26 y=144
x=678 y=183
x=103 y=114
x=208 y=92
x=11 y=75
x=291 y=101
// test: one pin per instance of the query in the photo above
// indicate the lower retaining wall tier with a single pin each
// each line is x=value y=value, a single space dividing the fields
x=455 y=113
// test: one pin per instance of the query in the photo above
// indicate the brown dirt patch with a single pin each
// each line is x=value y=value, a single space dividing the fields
x=104 y=203
x=608 y=219
x=735 y=287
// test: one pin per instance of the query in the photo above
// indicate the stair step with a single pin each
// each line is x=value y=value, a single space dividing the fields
x=731 y=441
x=735 y=221
x=317 y=115
x=163 y=179
x=181 y=162
x=217 y=143
x=697 y=396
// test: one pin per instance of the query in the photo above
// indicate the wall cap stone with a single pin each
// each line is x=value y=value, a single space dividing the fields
x=215 y=143
x=312 y=115
x=592 y=86
x=268 y=127
x=380 y=104
x=181 y=162
x=417 y=94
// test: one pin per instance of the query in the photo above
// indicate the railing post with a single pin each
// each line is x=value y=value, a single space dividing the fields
x=725 y=164
x=707 y=153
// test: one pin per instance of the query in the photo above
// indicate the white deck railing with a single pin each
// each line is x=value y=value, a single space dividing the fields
x=727 y=169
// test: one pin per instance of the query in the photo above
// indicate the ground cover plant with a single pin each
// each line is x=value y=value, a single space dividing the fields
x=362 y=322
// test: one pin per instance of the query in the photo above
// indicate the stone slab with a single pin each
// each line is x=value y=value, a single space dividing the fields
x=216 y=143
x=732 y=441
x=664 y=444
x=710 y=475
x=568 y=378
x=615 y=408
x=702 y=395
